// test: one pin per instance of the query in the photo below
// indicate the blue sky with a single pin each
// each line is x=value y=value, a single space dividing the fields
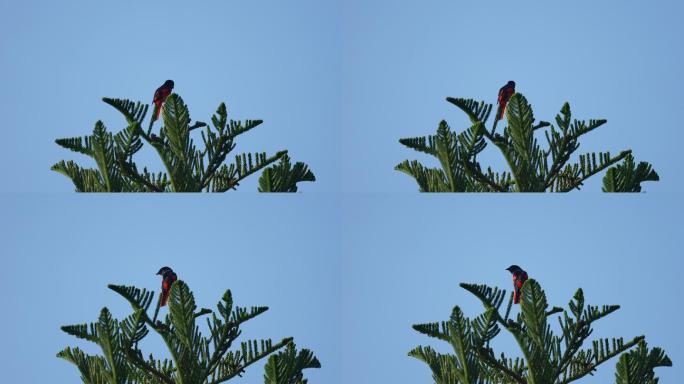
x=337 y=83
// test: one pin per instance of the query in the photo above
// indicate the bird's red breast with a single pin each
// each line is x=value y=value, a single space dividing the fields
x=168 y=280
x=518 y=281
x=161 y=94
x=505 y=94
x=166 y=287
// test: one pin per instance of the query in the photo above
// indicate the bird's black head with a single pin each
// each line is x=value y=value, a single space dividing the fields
x=164 y=270
x=169 y=84
x=514 y=269
x=510 y=83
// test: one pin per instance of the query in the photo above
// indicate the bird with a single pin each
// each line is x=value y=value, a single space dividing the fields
x=160 y=96
x=519 y=278
x=505 y=94
x=168 y=278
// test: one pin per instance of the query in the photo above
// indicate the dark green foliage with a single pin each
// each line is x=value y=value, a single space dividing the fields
x=282 y=177
x=636 y=367
x=530 y=167
x=286 y=366
x=627 y=177
x=195 y=358
x=547 y=358
x=187 y=168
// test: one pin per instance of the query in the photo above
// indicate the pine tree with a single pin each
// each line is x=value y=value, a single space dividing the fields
x=531 y=168
x=547 y=358
x=188 y=169
x=195 y=358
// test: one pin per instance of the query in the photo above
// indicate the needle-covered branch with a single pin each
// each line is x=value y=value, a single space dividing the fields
x=627 y=177
x=546 y=357
x=530 y=168
x=286 y=366
x=637 y=366
x=187 y=167
x=195 y=358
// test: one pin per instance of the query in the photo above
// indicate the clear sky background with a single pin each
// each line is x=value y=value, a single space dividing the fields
x=348 y=265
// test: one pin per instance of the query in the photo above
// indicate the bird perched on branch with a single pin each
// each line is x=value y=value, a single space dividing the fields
x=519 y=278
x=505 y=94
x=160 y=96
x=168 y=278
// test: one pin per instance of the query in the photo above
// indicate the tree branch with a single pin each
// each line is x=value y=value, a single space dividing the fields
x=492 y=362
x=573 y=346
x=198 y=124
x=214 y=163
x=260 y=356
x=558 y=162
x=504 y=147
x=145 y=366
x=127 y=169
x=591 y=367
x=158 y=145
x=580 y=181
x=481 y=177
x=223 y=343
x=266 y=163
x=541 y=124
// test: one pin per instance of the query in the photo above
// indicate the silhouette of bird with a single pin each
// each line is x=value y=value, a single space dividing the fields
x=160 y=96
x=519 y=278
x=168 y=278
x=505 y=94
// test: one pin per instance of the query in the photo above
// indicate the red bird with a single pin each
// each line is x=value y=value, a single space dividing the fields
x=160 y=96
x=505 y=94
x=519 y=278
x=168 y=278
